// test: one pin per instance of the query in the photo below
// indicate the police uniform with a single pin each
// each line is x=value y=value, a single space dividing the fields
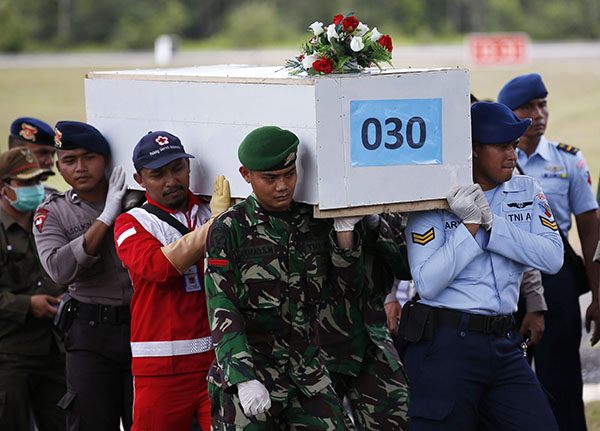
x=99 y=382
x=562 y=172
x=463 y=362
x=32 y=376
x=266 y=275
x=357 y=346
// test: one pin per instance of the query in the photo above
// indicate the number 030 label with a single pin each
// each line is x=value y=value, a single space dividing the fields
x=396 y=132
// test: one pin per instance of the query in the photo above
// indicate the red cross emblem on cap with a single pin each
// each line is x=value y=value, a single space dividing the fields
x=162 y=140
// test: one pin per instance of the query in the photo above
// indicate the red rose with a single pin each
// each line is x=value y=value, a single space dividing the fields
x=337 y=19
x=323 y=65
x=349 y=24
x=386 y=42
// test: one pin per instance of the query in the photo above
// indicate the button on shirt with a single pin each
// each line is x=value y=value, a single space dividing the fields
x=564 y=177
x=452 y=269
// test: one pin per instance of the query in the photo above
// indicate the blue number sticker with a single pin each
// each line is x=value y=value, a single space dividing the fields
x=396 y=132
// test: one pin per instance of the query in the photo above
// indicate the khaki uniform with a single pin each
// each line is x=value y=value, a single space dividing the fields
x=98 y=352
x=31 y=363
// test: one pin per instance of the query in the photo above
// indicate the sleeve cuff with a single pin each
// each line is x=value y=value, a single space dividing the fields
x=79 y=253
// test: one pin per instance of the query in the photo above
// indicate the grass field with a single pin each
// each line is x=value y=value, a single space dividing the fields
x=54 y=94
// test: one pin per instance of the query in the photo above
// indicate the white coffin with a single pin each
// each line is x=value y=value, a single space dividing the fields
x=367 y=140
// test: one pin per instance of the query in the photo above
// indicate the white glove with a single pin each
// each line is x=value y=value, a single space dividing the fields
x=116 y=191
x=373 y=221
x=462 y=203
x=254 y=397
x=345 y=224
x=486 y=213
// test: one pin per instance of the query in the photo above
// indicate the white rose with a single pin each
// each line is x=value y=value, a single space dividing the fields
x=316 y=27
x=375 y=35
x=361 y=29
x=308 y=61
x=331 y=33
x=356 y=44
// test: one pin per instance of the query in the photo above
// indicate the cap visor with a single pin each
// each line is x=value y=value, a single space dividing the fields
x=31 y=173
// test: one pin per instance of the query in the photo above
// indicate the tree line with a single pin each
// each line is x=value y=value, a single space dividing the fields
x=134 y=24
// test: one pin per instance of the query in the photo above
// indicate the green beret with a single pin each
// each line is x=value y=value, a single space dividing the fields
x=268 y=148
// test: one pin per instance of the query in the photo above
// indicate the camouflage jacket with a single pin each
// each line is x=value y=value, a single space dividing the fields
x=348 y=326
x=265 y=278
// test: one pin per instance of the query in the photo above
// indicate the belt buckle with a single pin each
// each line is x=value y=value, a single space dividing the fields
x=495 y=325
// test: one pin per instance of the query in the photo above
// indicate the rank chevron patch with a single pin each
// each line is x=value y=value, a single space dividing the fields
x=549 y=223
x=423 y=238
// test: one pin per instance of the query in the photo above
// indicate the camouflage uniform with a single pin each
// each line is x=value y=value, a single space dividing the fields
x=266 y=274
x=358 y=349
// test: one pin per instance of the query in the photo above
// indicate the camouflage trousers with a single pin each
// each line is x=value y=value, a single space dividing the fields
x=378 y=395
x=321 y=412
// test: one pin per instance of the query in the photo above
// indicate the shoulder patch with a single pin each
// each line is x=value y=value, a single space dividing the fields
x=39 y=218
x=218 y=235
x=567 y=148
x=217 y=262
x=423 y=238
x=550 y=224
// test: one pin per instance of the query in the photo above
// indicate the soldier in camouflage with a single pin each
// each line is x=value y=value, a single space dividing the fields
x=269 y=265
x=358 y=349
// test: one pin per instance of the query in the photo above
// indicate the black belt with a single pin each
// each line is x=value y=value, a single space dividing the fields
x=477 y=322
x=98 y=313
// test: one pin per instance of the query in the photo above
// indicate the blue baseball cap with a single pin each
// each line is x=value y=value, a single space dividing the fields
x=71 y=135
x=520 y=90
x=156 y=149
x=32 y=130
x=495 y=123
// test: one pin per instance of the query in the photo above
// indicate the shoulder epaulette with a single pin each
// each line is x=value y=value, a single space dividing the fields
x=567 y=148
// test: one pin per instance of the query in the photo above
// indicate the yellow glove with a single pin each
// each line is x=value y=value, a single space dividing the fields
x=221 y=198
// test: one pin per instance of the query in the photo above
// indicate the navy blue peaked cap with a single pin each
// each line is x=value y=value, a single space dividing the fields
x=494 y=123
x=522 y=89
x=32 y=130
x=70 y=135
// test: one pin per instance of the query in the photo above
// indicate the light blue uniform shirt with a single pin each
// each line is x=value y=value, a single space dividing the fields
x=564 y=177
x=451 y=269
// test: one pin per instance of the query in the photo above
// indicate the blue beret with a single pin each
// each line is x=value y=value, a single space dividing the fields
x=70 y=135
x=156 y=149
x=32 y=130
x=522 y=89
x=494 y=123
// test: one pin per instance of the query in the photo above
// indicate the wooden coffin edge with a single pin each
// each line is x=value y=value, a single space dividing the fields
x=425 y=205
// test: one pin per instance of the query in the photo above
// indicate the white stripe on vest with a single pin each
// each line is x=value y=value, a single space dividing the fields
x=146 y=349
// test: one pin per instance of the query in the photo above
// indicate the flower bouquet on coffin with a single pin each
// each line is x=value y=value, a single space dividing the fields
x=346 y=45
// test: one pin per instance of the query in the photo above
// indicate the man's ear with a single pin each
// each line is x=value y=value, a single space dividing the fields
x=245 y=172
x=138 y=179
x=475 y=149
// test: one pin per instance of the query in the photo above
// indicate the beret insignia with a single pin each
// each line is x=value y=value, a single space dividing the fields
x=28 y=132
x=423 y=238
x=57 y=137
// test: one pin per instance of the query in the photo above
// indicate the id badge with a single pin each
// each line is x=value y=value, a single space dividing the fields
x=191 y=280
